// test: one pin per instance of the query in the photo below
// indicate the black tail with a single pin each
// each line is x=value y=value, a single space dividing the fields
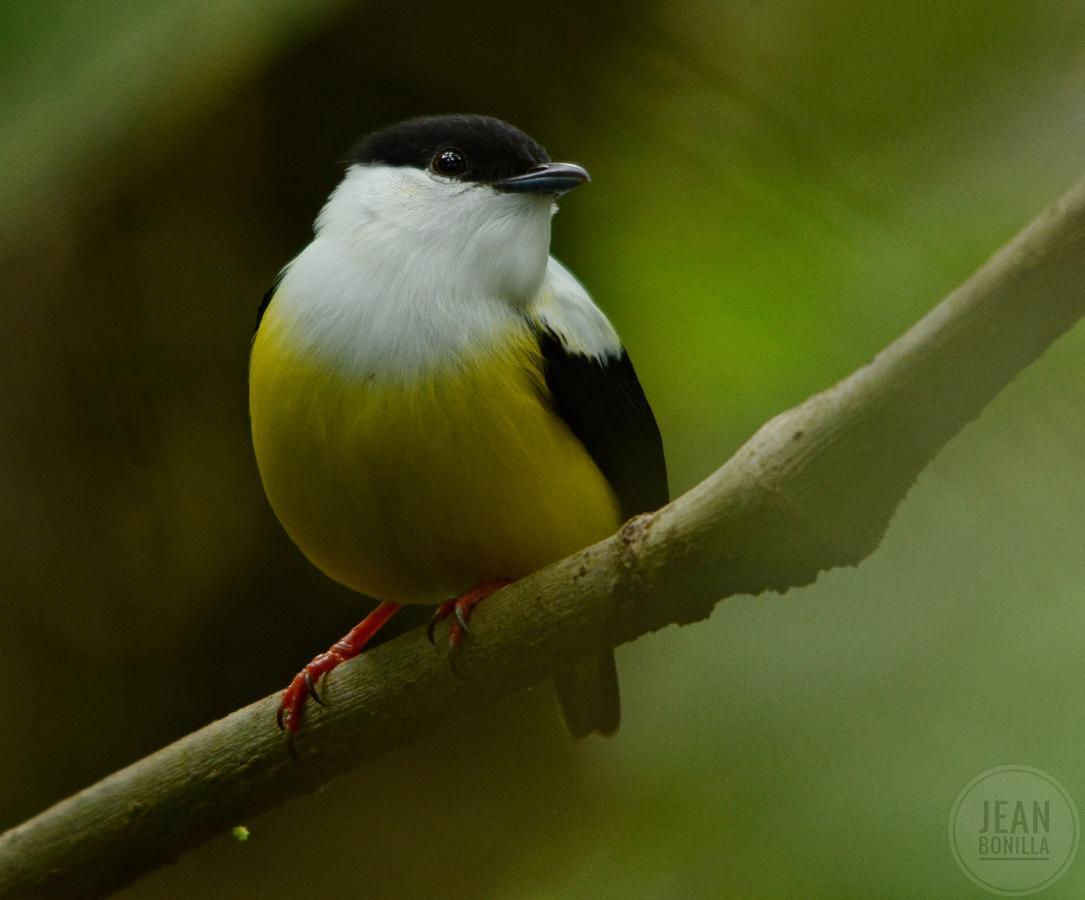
x=588 y=696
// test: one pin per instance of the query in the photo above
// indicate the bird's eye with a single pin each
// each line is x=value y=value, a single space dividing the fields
x=449 y=162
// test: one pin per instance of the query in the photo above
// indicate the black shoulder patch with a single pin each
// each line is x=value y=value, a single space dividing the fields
x=494 y=149
x=267 y=300
x=604 y=406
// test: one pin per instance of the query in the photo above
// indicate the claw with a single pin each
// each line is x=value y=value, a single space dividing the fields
x=292 y=704
x=460 y=608
x=456 y=634
x=310 y=686
x=441 y=613
x=461 y=618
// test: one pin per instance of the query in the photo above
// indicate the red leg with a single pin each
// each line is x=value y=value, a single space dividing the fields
x=461 y=607
x=304 y=683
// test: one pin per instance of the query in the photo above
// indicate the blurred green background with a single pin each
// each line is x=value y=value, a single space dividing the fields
x=779 y=190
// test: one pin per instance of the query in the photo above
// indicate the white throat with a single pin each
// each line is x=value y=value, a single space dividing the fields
x=407 y=268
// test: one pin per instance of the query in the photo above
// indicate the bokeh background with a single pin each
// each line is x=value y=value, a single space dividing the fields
x=779 y=190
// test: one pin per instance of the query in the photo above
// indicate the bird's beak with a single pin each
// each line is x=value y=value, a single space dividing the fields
x=549 y=178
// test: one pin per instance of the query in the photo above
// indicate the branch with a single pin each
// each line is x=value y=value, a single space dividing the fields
x=813 y=489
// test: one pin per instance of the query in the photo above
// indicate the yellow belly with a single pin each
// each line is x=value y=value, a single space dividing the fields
x=416 y=492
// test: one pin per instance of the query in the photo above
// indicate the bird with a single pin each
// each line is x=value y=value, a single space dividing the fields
x=438 y=407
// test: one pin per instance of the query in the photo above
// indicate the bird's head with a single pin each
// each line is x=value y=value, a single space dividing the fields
x=467 y=199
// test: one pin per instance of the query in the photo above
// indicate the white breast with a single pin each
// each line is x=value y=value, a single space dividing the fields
x=408 y=271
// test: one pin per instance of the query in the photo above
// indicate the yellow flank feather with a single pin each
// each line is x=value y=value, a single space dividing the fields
x=416 y=492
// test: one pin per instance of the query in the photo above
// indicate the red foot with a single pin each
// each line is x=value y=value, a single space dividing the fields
x=461 y=607
x=304 y=683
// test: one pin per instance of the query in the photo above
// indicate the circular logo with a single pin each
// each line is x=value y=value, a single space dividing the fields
x=1014 y=830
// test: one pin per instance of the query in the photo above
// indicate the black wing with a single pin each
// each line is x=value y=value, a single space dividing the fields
x=604 y=405
x=267 y=299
